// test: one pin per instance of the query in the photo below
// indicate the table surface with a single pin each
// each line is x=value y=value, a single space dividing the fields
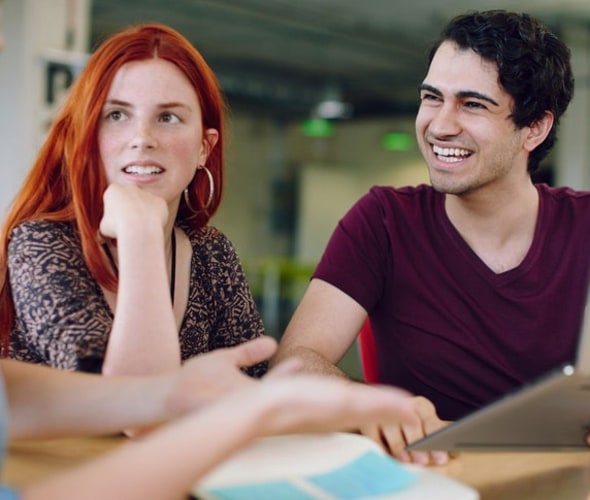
x=496 y=475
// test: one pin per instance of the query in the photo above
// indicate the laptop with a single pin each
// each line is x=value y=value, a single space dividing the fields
x=549 y=414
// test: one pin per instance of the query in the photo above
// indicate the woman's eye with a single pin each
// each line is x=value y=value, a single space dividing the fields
x=169 y=118
x=115 y=116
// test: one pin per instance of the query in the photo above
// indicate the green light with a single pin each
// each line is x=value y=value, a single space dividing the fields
x=316 y=127
x=397 y=141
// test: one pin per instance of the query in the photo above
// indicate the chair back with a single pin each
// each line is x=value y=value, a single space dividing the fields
x=368 y=354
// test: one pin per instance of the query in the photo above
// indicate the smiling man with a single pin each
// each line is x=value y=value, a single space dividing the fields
x=474 y=284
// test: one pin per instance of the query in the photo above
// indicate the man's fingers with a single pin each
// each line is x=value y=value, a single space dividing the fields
x=373 y=432
x=394 y=447
x=429 y=423
x=395 y=442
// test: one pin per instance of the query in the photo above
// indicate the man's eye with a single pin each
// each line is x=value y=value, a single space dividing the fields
x=430 y=97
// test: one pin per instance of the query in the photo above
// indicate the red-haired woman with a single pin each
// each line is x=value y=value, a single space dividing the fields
x=107 y=262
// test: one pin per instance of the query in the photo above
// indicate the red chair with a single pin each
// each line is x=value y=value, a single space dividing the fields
x=368 y=354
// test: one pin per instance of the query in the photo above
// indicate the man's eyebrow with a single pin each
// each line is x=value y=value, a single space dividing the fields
x=477 y=95
x=462 y=94
x=430 y=88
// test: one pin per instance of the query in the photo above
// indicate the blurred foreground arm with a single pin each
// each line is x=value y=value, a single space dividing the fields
x=44 y=402
x=167 y=463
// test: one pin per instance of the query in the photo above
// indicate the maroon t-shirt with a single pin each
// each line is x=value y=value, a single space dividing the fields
x=446 y=326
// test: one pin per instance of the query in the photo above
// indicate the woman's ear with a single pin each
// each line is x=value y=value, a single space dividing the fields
x=538 y=131
x=210 y=138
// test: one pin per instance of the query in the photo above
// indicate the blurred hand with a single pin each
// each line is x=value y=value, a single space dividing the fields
x=301 y=403
x=393 y=437
x=208 y=376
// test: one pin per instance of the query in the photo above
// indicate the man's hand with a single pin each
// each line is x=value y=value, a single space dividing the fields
x=394 y=437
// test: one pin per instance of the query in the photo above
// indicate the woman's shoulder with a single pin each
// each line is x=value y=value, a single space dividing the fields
x=42 y=236
x=206 y=237
x=43 y=248
x=211 y=247
x=44 y=230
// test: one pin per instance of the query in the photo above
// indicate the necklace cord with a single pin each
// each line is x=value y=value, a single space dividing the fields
x=172 y=265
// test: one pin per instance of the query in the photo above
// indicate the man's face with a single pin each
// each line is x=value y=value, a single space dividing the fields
x=463 y=126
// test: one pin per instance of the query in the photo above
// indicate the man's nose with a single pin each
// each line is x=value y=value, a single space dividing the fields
x=445 y=122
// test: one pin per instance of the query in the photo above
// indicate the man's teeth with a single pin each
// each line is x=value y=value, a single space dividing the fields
x=139 y=170
x=450 y=154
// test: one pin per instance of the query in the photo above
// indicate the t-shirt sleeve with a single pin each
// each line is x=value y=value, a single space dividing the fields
x=358 y=254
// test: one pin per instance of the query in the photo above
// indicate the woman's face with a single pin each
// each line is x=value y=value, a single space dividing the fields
x=150 y=132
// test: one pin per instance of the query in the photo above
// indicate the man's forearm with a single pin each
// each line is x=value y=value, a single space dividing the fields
x=313 y=362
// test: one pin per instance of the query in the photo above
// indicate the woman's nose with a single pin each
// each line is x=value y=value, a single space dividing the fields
x=144 y=137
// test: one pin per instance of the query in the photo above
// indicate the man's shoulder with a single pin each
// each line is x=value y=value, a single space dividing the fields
x=564 y=194
x=408 y=196
x=418 y=190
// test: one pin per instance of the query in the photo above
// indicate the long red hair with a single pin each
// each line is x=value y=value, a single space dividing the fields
x=67 y=179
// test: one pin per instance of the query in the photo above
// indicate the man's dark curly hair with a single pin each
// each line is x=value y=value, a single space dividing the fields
x=533 y=65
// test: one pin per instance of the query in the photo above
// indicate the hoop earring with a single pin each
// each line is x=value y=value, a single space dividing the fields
x=211 y=192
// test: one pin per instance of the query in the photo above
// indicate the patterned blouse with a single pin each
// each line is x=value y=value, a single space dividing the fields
x=64 y=321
